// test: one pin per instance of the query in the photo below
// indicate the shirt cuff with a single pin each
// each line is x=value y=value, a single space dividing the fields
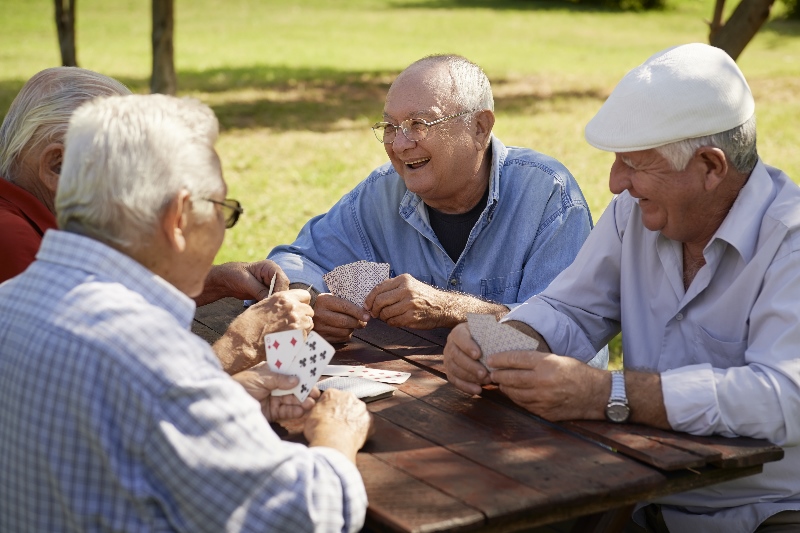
x=355 y=494
x=690 y=399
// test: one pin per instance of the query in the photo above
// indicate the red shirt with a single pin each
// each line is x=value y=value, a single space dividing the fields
x=23 y=221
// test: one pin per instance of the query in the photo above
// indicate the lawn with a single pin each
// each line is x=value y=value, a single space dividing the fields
x=296 y=85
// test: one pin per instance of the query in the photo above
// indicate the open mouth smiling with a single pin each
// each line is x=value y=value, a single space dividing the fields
x=417 y=163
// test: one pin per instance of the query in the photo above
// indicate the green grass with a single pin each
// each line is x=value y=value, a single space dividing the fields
x=297 y=84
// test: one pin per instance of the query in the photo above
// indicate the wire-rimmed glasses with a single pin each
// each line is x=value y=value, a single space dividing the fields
x=233 y=209
x=415 y=129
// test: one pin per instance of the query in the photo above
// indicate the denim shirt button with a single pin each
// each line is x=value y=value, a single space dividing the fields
x=679 y=316
x=453 y=282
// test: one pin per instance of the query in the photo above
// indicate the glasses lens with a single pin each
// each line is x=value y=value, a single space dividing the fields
x=415 y=130
x=384 y=132
x=234 y=210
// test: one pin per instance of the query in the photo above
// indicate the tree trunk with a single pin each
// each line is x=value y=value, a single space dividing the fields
x=65 y=24
x=163 y=80
x=741 y=27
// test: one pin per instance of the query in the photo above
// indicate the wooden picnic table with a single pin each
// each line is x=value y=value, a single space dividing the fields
x=442 y=460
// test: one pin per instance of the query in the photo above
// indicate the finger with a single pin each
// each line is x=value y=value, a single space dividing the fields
x=284 y=382
x=301 y=295
x=281 y=280
x=461 y=338
x=391 y=304
x=517 y=359
x=340 y=305
x=380 y=288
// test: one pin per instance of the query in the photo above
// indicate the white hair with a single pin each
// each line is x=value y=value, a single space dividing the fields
x=127 y=157
x=40 y=113
x=471 y=88
x=738 y=144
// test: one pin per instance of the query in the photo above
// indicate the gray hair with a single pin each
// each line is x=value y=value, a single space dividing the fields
x=40 y=113
x=471 y=88
x=738 y=144
x=127 y=157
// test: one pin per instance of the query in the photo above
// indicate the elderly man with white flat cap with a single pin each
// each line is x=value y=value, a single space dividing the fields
x=697 y=259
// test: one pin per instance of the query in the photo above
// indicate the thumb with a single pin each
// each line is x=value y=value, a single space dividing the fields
x=283 y=382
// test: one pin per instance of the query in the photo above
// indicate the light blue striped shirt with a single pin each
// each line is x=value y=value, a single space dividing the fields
x=115 y=417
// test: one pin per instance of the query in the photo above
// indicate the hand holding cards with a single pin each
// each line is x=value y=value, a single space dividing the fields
x=494 y=337
x=289 y=353
x=354 y=281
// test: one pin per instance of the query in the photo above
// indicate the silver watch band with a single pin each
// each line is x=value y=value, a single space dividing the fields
x=618 y=386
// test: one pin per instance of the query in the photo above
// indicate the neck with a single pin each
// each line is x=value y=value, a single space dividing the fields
x=25 y=180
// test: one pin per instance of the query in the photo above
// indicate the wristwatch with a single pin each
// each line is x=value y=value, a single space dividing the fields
x=618 y=409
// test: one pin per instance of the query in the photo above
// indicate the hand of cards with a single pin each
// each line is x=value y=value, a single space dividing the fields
x=354 y=281
x=288 y=353
x=494 y=337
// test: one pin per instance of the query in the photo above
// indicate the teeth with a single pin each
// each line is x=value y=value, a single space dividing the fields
x=417 y=161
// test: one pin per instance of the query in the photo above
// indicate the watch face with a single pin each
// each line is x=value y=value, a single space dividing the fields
x=618 y=412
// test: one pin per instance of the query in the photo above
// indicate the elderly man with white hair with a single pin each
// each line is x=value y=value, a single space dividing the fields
x=467 y=224
x=115 y=416
x=31 y=154
x=697 y=261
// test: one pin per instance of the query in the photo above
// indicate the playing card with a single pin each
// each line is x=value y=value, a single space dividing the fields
x=354 y=281
x=494 y=337
x=309 y=362
x=365 y=389
x=374 y=374
x=281 y=348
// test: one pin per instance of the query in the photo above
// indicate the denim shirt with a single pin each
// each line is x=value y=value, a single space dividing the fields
x=532 y=227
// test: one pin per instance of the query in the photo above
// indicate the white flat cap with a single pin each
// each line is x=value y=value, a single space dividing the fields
x=687 y=91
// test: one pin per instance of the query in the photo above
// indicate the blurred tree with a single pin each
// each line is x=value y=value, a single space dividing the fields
x=163 y=79
x=740 y=28
x=65 y=24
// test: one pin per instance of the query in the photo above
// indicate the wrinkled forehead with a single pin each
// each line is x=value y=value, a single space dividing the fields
x=421 y=90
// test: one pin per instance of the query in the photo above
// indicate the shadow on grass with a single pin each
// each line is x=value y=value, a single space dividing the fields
x=321 y=100
x=586 y=6
x=783 y=27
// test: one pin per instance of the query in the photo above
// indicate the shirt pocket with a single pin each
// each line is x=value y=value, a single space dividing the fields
x=719 y=353
x=502 y=289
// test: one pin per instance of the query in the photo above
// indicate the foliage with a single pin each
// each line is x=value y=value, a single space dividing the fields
x=297 y=84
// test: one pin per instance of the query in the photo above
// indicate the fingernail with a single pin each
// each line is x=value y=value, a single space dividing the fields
x=365 y=317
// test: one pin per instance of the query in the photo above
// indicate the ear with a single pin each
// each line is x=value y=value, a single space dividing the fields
x=484 y=122
x=50 y=160
x=174 y=220
x=714 y=164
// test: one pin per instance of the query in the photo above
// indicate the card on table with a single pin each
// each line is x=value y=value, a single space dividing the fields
x=374 y=374
x=354 y=281
x=365 y=389
x=494 y=337
x=304 y=359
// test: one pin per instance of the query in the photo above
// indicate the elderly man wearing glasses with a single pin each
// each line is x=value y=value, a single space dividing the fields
x=115 y=416
x=466 y=223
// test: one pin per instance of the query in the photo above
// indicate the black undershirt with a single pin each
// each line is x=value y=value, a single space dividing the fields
x=453 y=230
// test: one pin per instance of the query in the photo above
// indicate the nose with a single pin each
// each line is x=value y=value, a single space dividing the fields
x=619 y=179
x=401 y=142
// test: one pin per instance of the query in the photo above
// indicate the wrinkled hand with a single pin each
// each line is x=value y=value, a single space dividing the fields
x=551 y=386
x=242 y=345
x=244 y=281
x=259 y=382
x=405 y=301
x=335 y=318
x=461 y=354
x=339 y=420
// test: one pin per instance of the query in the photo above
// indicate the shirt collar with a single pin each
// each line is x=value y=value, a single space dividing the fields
x=108 y=265
x=740 y=228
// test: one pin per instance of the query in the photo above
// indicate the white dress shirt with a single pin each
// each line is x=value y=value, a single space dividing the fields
x=727 y=349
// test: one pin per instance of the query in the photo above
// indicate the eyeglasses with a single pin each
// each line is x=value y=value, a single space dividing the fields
x=233 y=210
x=415 y=129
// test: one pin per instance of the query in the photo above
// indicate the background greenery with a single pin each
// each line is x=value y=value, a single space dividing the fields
x=296 y=84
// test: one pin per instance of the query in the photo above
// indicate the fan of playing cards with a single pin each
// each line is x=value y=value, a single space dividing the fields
x=354 y=281
x=494 y=337
x=288 y=353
